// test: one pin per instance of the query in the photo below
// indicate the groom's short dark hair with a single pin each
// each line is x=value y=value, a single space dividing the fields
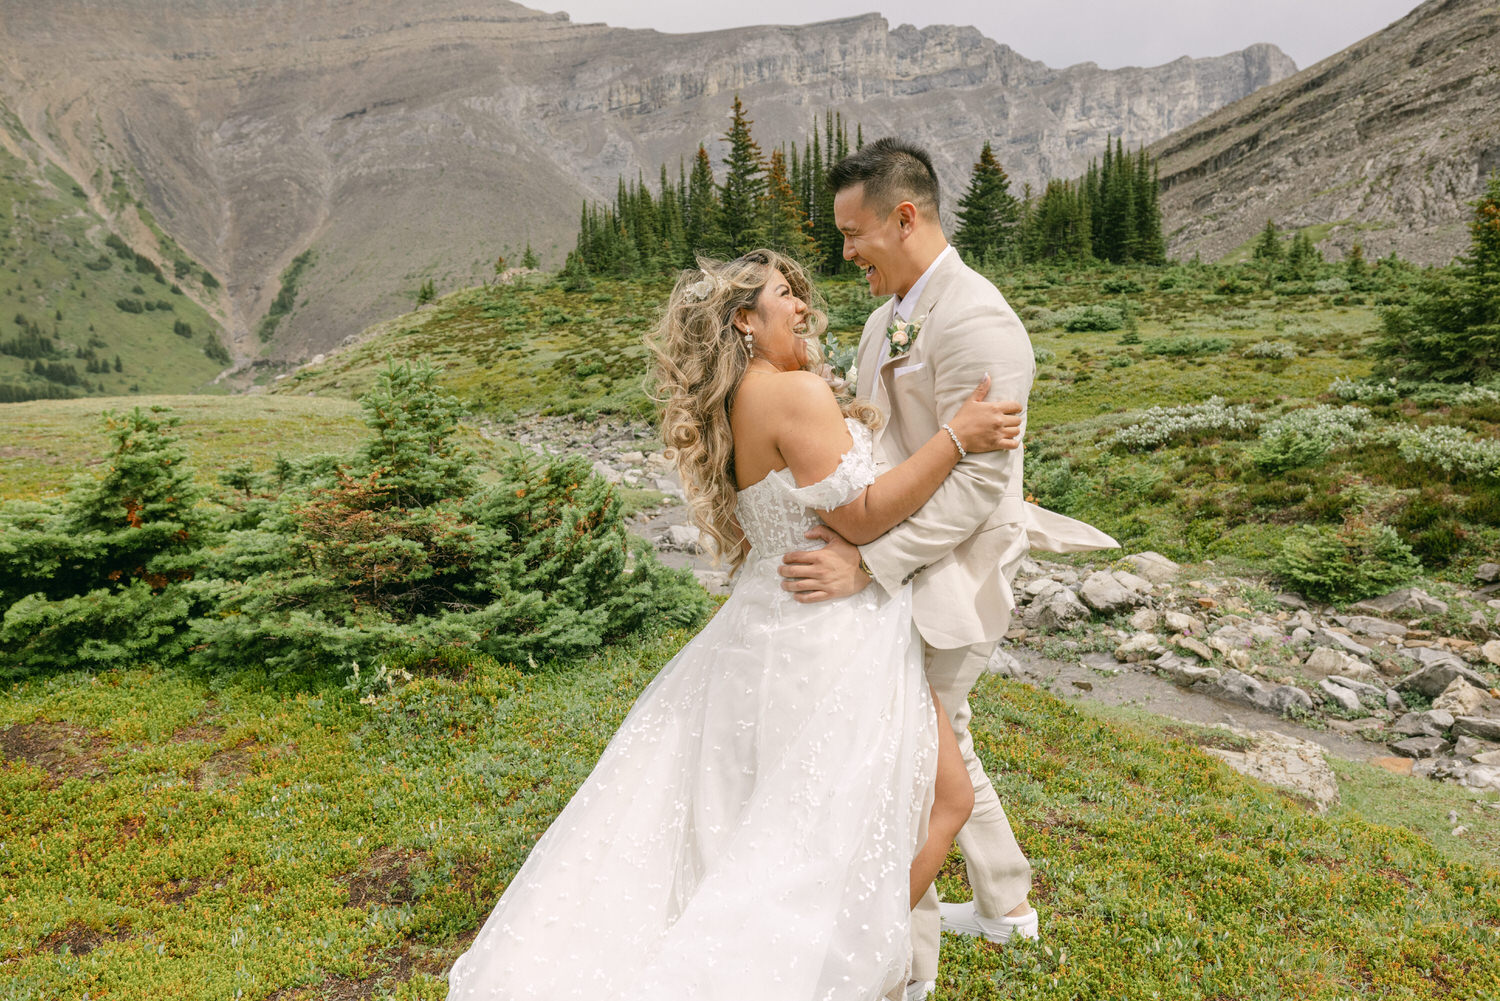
x=892 y=171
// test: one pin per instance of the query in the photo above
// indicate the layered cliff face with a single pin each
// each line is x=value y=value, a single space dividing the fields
x=1384 y=143
x=403 y=141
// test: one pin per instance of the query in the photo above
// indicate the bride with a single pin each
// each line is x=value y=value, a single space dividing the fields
x=783 y=792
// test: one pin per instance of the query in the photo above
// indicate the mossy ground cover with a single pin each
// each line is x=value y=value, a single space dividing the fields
x=57 y=273
x=172 y=837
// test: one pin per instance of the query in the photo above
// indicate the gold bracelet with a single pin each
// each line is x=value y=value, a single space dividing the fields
x=962 y=454
x=864 y=568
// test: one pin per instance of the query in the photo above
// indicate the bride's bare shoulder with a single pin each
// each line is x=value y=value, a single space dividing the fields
x=796 y=395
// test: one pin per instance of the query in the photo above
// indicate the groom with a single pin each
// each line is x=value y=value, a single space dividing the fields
x=961 y=550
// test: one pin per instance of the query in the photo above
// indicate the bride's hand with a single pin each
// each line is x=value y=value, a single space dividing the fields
x=987 y=427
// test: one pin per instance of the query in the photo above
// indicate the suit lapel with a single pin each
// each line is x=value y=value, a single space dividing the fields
x=872 y=361
x=935 y=287
x=931 y=292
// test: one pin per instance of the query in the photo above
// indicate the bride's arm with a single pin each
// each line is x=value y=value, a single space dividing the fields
x=811 y=436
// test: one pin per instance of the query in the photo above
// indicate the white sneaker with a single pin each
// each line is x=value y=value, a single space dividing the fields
x=963 y=919
x=917 y=990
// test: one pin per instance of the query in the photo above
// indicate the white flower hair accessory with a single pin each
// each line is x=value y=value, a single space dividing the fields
x=700 y=290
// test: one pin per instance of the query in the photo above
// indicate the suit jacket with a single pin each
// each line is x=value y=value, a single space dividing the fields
x=956 y=548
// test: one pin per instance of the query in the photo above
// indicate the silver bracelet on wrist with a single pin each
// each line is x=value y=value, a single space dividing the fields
x=962 y=453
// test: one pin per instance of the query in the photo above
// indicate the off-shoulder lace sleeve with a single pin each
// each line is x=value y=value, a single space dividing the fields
x=856 y=470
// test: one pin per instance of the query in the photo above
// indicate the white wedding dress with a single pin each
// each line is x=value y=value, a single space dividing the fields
x=749 y=831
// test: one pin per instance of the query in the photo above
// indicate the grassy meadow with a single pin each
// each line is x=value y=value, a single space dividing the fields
x=171 y=833
x=49 y=442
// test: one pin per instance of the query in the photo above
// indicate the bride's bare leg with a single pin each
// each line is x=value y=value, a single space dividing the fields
x=952 y=802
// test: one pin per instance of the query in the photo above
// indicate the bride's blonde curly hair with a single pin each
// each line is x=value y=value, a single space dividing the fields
x=700 y=360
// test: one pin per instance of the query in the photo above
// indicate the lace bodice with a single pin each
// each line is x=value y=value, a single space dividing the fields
x=776 y=513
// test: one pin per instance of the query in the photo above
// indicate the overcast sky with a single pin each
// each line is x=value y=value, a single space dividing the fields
x=1112 y=33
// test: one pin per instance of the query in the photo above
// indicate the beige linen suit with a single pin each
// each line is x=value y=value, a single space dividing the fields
x=961 y=549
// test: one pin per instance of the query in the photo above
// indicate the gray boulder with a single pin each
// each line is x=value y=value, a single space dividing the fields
x=1181 y=671
x=1367 y=625
x=1470 y=747
x=1195 y=647
x=1106 y=595
x=1138 y=584
x=1057 y=609
x=1427 y=655
x=1340 y=696
x=1461 y=698
x=1420 y=747
x=1437 y=676
x=1287 y=762
x=1036 y=588
x=1482 y=727
x=1404 y=601
x=1241 y=687
x=1289 y=698
x=1485 y=776
x=1326 y=660
x=684 y=537
x=1153 y=566
x=1141 y=646
x=1363 y=689
x=1432 y=723
x=1394 y=702
x=1329 y=638
x=1487 y=573
x=1182 y=622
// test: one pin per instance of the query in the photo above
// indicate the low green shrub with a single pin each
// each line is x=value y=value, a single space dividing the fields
x=322 y=563
x=1188 y=345
x=1160 y=425
x=1357 y=560
x=1305 y=436
x=1118 y=284
x=1076 y=319
x=1283 y=350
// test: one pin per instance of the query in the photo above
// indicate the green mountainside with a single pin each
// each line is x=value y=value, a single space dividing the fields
x=84 y=312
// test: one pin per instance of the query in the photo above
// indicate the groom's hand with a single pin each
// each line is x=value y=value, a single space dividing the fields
x=821 y=574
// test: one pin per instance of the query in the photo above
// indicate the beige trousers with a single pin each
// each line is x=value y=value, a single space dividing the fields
x=998 y=870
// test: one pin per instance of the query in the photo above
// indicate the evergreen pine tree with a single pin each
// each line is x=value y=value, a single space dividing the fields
x=703 y=205
x=1268 y=246
x=988 y=212
x=1150 y=246
x=1116 y=241
x=744 y=184
x=1451 y=330
x=1303 y=258
x=1356 y=269
x=1062 y=227
x=782 y=224
x=1093 y=193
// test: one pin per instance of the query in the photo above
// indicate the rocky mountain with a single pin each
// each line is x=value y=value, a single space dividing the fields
x=402 y=142
x=1384 y=143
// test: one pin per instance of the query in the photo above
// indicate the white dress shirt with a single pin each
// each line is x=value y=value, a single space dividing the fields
x=908 y=302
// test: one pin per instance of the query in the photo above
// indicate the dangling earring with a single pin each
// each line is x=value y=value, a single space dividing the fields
x=750 y=343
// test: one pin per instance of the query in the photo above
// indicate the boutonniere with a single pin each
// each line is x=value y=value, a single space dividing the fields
x=902 y=334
